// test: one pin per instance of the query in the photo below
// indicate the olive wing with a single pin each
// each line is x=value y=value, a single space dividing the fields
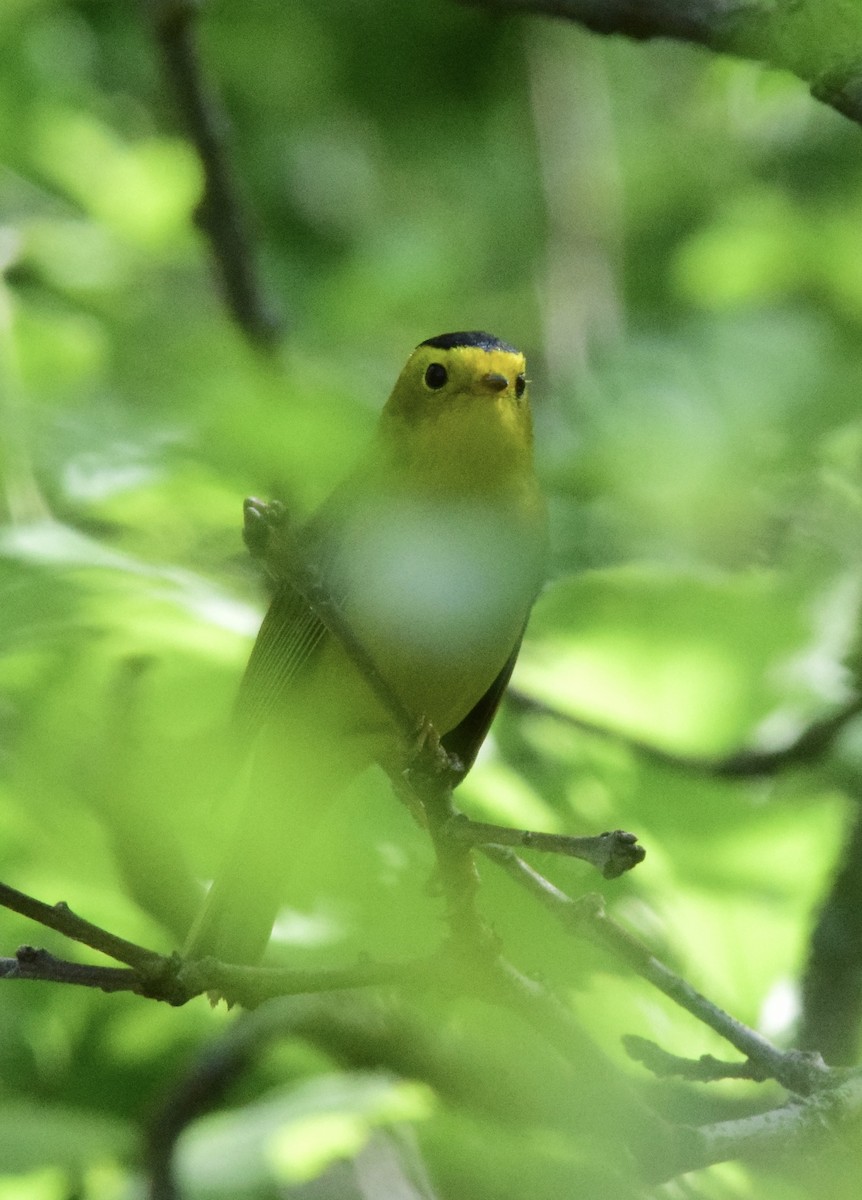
x=289 y=637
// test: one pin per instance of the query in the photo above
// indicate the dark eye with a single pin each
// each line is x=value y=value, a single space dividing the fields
x=520 y=385
x=436 y=376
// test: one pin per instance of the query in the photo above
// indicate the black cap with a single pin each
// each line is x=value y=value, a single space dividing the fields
x=483 y=341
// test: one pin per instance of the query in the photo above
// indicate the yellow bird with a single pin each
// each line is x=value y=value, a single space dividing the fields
x=434 y=550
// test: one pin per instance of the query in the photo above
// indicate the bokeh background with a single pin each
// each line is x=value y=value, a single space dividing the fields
x=673 y=239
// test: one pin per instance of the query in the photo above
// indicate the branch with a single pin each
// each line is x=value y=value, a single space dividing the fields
x=800 y=1127
x=664 y=1151
x=832 y=1099
x=799 y=1072
x=61 y=918
x=455 y=863
x=818 y=41
x=610 y=853
x=808 y=748
x=705 y=1069
x=222 y=213
x=168 y=978
x=31 y=963
x=249 y=987
x=176 y=982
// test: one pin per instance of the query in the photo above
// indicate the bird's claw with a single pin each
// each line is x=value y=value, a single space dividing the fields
x=260 y=519
x=430 y=757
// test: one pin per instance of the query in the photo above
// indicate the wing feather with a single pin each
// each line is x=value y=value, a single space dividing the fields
x=288 y=639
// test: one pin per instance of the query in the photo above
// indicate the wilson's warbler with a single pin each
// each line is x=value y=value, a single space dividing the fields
x=434 y=550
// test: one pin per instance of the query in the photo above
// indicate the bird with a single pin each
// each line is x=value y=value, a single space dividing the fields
x=434 y=550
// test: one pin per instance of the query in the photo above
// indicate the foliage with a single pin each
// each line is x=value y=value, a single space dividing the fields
x=672 y=238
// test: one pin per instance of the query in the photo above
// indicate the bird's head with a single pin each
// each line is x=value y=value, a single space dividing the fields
x=462 y=401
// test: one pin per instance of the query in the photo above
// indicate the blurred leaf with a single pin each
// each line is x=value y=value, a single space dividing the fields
x=38 y=1135
x=672 y=237
x=144 y=192
x=295 y=1136
x=688 y=661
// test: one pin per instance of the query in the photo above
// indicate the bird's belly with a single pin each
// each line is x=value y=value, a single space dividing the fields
x=439 y=598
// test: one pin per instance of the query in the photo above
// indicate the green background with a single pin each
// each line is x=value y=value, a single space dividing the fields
x=673 y=240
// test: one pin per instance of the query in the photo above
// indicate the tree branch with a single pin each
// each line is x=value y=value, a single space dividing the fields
x=222 y=214
x=61 y=918
x=831 y=1099
x=455 y=863
x=168 y=978
x=32 y=963
x=610 y=853
x=800 y=1127
x=817 y=40
x=706 y=1069
x=799 y=1072
x=249 y=987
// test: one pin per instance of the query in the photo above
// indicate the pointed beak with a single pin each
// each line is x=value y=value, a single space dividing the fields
x=494 y=382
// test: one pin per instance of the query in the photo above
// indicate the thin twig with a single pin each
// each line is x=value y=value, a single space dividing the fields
x=455 y=864
x=31 y=963
x=610 y=853
x=706 y=1069
x=223 y=212
x=61 y=918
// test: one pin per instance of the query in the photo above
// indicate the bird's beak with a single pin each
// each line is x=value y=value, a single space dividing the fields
x=494 y=382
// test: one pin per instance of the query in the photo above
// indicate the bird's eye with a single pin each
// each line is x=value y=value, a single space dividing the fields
x=436 y=376
x=520 y=385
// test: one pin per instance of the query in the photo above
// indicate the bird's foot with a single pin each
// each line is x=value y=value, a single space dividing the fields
x=429 y=757
x=260 y=519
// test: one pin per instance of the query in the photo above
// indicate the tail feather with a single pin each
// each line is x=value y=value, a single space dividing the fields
x=238 y=913
x=269 y=855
